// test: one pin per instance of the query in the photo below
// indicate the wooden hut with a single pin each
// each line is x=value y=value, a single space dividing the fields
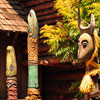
x=12 y=25
x=55 y=78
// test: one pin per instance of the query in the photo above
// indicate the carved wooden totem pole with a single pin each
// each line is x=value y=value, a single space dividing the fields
x=88 y=52
x=11 y=71
x=32 y=45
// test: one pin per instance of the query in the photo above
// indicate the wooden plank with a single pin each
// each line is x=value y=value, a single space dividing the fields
x=53 y=94
x=43 y=6
x=53 y=63
x=58 y=88
x=34 y=3
x=49 y=22
x=42 y=54
x=43 y=48
x=66 y=92
x=44 y=61
x=64 y=67
x=41 y=40
x=51 y=16
x=46 y=12
x=61 y=77
x=47 y=61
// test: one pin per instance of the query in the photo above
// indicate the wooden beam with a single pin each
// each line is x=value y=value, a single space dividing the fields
x=47 y=61
x=43 y=6
x=64 y=66
x=49 y=22
x=52 y=16
x=59 y=96
x=46 y=12
x=34 y=3
x=64 y=77
x=41 y=40
x=43 y=54
x=66 y=92
x=43 y=48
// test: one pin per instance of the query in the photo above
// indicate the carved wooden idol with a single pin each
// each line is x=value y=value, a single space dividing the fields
x=32 y=47
x=11 y=71
x=88 y=52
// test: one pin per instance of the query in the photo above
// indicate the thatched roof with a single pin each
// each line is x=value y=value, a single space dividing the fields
x=12 y=16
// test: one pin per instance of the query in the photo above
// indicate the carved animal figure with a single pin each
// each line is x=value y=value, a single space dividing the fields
x=88 y=52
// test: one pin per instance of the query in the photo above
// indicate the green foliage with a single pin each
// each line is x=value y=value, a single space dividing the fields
x=58 y=37
x=63 y=37
x=79 y=94
x=75 y=85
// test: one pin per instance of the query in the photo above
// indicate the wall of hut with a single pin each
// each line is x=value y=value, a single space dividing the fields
x=3 y=44
x=22 y=71
x=55 y=78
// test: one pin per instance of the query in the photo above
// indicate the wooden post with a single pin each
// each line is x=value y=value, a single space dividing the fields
x=87 y=97
x=11 y=71
x=32 y=46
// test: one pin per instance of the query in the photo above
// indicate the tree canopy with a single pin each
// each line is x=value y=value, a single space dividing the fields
x=63 y=37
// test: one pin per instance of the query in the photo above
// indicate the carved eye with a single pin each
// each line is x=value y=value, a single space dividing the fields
x=84 y=43
x=30 y=15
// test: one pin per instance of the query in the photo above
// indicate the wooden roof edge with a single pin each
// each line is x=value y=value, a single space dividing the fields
x=23 y=32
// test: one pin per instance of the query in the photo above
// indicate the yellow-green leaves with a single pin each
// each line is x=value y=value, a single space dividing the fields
x=53 y=32
x=64 y=7
x=63 y=37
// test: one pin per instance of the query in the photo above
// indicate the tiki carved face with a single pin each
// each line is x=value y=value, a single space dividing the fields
x=86 y=47
x=86 y=40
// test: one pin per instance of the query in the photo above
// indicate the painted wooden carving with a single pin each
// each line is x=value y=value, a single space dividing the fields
x=11 y=71
x=32 y=46
x=88 y=52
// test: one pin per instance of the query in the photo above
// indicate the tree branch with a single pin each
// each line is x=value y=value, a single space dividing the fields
x=77 y=14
